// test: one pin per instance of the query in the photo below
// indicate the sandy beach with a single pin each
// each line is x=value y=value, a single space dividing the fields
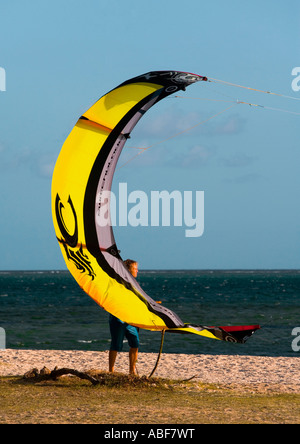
x=257 y=372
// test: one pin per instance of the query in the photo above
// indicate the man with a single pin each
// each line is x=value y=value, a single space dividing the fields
x=120 y=329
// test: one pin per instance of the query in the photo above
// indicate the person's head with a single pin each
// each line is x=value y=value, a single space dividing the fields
x=132 y=266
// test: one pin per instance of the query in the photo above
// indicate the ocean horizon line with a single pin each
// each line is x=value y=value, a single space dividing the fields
x=58 y=270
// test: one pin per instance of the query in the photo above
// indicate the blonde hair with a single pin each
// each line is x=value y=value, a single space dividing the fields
x=128 y=263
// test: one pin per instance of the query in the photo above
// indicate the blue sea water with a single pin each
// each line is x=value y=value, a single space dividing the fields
x=48 y=310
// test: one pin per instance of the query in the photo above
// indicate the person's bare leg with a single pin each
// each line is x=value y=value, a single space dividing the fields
x=111 y=360
x=133 y=354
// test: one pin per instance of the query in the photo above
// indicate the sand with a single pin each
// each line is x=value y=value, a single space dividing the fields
x=258 y=372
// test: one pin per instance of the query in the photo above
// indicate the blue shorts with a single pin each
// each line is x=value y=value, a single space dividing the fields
x=119 y=330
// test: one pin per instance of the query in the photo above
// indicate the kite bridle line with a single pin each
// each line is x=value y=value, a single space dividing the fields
x=241 y=102
x=234 y=103
x=210 y=79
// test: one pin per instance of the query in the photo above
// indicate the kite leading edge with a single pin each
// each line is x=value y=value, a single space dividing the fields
x=81 y=181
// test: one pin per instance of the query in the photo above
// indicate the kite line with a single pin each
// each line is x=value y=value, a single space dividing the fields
x=210 y=79
x=233 y=102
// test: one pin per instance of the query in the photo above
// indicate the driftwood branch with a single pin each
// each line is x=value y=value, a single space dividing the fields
x=46 y=374
x=56 y=373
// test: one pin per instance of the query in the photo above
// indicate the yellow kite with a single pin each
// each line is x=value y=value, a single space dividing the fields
x=82 y=177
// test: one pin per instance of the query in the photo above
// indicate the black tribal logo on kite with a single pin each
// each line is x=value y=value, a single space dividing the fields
x=71 y=240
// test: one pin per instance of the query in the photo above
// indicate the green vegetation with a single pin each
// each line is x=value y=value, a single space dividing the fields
x=122 y=399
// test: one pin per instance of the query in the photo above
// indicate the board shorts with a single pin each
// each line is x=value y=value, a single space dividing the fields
x=120 y=330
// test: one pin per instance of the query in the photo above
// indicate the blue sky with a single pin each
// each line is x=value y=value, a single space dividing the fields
x=61 y=56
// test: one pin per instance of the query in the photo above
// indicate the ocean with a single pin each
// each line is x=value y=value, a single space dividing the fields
x=47 y=310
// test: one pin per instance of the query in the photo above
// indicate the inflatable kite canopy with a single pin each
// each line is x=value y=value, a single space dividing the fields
x=81 y=182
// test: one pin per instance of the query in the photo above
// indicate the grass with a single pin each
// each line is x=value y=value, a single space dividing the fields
x=123 y=399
